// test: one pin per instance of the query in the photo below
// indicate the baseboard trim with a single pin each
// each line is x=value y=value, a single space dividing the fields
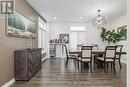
x=9 y=83
x=43 y=58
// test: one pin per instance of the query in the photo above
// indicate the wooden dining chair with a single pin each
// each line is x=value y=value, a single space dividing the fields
x=79 y=46
x=118 y=56
x=109 y=57
x=69 y=56
x=86 y=56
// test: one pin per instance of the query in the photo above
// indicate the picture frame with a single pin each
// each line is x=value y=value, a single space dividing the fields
x=64 y=38
x=123 y=31
x=19 y=26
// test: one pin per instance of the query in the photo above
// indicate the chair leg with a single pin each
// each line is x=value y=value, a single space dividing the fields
x=120 y=63
x=114 y=68
x=81 y=66
x=105 y=68
x=91 y=67
x=111 y=66
x=66 y=62
x=75 y=62
x=78 y=64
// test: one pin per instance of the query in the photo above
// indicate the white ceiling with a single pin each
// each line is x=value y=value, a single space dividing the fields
x=72 y=10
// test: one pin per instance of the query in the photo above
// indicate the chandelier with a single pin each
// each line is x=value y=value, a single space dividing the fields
x=100 y=20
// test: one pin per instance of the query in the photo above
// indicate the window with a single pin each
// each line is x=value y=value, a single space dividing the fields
x=77 y=37
x=42 y=35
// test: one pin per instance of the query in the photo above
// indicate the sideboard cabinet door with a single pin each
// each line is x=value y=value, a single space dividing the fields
x=27 y=63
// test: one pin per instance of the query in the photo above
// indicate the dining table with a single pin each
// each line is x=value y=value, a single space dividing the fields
x=95 y=53
x=99 y=51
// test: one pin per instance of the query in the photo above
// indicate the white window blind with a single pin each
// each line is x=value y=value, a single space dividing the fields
x=77 y=37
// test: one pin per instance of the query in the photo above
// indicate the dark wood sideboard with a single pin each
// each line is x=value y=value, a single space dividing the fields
x=27 y=63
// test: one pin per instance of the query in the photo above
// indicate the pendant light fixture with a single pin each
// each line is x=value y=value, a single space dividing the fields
x=100 y=20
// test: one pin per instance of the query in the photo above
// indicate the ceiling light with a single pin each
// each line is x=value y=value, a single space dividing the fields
x=100 y=20
x=54 y=18
x=78 y=29
x=80 y=17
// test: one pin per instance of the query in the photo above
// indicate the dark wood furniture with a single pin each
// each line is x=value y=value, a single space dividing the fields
x=27 y=63
x=95 y=52
x=118 y=56
x=79 y=46
x=109 y=57
x=98 y=52
x=69 y=56
x=86 y=56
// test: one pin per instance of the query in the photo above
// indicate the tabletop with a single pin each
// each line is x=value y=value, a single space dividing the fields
x=99 y=51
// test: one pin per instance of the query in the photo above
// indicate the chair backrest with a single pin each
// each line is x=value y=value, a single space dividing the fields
x=79 y=46
x=119 y=48
x=95 y=46
x=86 y=52
x=66 y=51
x=110 y=52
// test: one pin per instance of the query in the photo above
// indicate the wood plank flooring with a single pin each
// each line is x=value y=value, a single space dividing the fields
x=54 y=73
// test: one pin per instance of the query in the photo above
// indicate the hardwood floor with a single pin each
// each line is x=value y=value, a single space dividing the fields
x=54 y=73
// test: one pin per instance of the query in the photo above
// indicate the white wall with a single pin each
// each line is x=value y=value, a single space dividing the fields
x=118 y=22
x=93 y=36
x=92 y=33
x=121 y=21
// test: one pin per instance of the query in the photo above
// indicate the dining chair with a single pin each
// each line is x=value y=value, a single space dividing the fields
x=109 y=57
x=95 y=46
x=86 y=56
x=79 y=46
x=69 y=56
x=118 y=56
